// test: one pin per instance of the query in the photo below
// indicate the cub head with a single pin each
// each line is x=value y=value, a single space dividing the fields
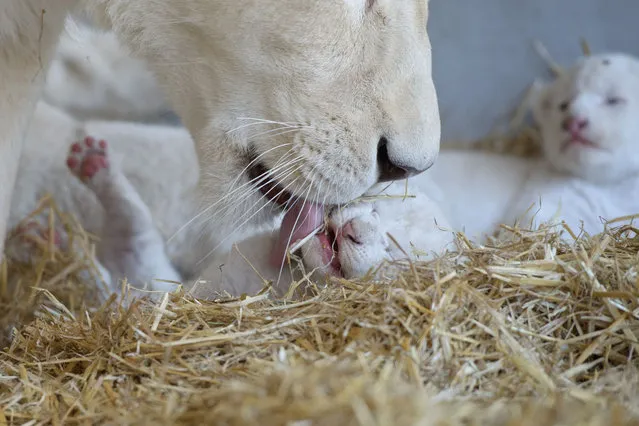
x=322 y=98
x=353 y=243
x=589 y=118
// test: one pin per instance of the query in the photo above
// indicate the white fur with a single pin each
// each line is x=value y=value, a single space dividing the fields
x=478 y=188
x=166 y=185
x=28 y=36
x=335 y=80
x=93 y=76
x=144 y=199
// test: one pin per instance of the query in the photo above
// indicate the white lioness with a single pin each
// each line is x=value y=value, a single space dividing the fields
x=132 y=238
x=134 y=211
x=343 y=86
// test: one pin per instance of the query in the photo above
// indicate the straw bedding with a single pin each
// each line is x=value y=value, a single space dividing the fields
x=528 y=331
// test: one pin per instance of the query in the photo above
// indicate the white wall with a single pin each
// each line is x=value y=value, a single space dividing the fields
x=483 y=56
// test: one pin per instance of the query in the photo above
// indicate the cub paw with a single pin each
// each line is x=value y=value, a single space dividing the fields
x=88 y=158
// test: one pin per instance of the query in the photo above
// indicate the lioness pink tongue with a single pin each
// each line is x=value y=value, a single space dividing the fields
x=299 y=221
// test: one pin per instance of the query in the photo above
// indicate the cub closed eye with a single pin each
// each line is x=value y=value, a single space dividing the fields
x=564 y=105
x=614 y=100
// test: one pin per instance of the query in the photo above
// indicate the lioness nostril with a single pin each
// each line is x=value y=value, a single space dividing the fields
x=388 y=170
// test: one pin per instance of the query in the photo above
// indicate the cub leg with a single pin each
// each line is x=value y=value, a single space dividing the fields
x=131 y=247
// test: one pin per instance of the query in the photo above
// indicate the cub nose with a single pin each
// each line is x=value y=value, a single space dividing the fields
x=574 y=124
x=389 y=170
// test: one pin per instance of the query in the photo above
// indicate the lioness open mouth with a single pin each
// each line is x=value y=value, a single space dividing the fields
x=259 y=176
x=302 y=217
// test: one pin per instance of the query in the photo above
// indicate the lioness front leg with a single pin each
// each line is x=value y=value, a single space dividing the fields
x=29 y=31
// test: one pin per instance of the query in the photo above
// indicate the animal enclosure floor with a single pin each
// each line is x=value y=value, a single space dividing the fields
x=528 y=332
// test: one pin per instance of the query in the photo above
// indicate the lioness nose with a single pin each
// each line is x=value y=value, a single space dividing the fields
x=389 y=170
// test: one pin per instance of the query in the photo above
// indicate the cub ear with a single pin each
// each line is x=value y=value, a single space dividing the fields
x=538 y=100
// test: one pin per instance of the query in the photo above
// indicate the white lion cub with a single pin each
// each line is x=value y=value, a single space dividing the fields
x=590 y=169
x=590 y=129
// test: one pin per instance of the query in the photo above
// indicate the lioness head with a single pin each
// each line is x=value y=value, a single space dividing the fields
x=588 y=118
x=323 y=97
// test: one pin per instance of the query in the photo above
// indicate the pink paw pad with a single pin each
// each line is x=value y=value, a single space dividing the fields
x=88 y=157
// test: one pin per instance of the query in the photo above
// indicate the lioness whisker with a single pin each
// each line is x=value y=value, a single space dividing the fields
x=229 y=208
x=231 y=192
x=242 y=224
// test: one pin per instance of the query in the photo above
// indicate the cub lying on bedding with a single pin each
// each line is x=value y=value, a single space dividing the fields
x=590 y=130
x=589 y=124
x=355 y=240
